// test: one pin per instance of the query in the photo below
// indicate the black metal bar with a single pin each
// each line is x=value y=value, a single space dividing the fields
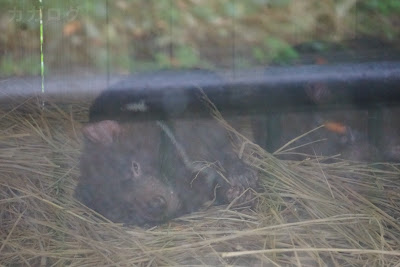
x=257 y=91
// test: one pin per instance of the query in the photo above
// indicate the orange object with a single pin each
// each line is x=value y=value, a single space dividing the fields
x=72 y=27
x=335 y=127
x=320 y=61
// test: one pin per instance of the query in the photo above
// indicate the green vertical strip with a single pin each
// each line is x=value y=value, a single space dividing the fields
x=41 y=45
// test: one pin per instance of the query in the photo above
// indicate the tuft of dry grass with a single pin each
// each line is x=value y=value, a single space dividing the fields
x=309 y=213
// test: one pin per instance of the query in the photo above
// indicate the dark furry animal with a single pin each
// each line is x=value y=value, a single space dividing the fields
x=145 y=172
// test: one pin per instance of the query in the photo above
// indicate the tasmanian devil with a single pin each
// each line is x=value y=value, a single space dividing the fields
x=145 y=172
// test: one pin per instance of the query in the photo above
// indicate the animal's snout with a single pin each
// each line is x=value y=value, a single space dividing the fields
x=157 y=205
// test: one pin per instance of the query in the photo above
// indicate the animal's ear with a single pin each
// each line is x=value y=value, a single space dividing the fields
x=103 y=132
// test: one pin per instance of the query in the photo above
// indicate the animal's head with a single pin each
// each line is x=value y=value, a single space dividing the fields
x=120 y=163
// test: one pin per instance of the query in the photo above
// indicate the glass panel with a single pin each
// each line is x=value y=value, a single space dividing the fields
x=199 y=132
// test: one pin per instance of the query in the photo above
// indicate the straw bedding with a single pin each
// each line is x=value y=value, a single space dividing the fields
x=309 y=213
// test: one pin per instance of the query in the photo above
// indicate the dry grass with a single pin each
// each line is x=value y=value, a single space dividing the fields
x=311 y=213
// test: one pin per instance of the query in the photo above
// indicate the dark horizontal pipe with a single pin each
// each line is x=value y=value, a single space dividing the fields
x=274 y=89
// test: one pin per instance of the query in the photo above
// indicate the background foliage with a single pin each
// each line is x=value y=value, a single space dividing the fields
x=126 y=36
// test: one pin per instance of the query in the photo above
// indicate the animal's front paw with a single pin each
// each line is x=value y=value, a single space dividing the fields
x=241 y=190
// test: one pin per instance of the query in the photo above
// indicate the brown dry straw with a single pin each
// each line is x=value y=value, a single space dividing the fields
x=309 y=213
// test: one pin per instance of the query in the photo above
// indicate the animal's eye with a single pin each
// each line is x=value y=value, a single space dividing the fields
x=135 y=168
